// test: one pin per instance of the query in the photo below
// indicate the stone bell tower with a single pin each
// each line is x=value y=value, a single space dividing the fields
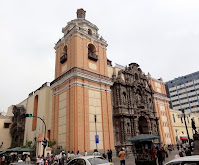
x=81 y=89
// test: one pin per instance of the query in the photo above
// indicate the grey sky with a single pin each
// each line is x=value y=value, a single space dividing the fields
x=162 y=36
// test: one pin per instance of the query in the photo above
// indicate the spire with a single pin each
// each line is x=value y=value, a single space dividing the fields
x=81 y=13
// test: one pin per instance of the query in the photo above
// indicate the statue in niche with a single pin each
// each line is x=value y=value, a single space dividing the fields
x=193 y=126
x=128 y=130
x=124 y=98
x=138 y=97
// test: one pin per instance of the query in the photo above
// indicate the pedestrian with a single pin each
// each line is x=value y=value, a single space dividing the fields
x=95 y=153
x=184 y=146
x=178 y=147
x=63 y=158
x=72 y=155
x=122 y=156
x=104 y=155
x=27 y=159
x=68 y=156
x=166 y=150
x=111 y=155
x=78 y=154
x=172 y=147
x=160 y=156
x=187 y=152
x=181 y=153
x=163 y=154
x=41 y=161
x=85 y=153
x=3 y=160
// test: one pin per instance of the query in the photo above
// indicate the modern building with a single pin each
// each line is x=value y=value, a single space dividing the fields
x=183 y=92
x=161 y=102
x=179 y=125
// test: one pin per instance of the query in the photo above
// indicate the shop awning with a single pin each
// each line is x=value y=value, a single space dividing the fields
x=183 y=137
x=143 y=138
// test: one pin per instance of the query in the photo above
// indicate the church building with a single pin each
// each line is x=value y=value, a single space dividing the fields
x=89 y=100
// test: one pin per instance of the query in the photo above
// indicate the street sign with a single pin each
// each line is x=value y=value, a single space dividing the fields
x=96 y=138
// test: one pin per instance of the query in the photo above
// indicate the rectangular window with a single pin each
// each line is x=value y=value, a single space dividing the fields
x=6 y=125
x=174 y=120
x=181 y=120
x=188 y=119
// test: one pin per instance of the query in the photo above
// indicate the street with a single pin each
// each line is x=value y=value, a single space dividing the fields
x=130 y=160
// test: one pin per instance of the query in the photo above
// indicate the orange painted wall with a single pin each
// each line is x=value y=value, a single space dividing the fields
x=162 y=92
x=78 y=56
x=77 y=97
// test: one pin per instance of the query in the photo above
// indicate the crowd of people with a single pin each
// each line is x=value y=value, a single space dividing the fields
x=7 y=159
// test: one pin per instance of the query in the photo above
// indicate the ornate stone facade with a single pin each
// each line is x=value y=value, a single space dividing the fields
x=18 y=126
x=133 y=106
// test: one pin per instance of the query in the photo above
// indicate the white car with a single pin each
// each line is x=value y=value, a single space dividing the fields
x=187 y=160
x=89 y=160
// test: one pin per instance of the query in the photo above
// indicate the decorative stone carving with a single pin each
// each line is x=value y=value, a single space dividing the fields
x=18 y=126
x=133 y=107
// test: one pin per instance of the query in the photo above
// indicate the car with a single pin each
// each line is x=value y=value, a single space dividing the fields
x=188 y=160
x=89 y=160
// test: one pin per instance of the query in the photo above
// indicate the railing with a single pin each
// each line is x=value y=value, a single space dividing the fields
x=63 y=58
x=93 y=56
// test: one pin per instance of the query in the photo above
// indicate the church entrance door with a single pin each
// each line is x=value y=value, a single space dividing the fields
x=143 y=125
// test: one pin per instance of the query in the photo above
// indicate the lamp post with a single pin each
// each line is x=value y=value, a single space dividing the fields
x=183 y=115
x=44 y=141
x=96 y=136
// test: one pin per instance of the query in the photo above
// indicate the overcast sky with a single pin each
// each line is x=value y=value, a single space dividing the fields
x=162 y=36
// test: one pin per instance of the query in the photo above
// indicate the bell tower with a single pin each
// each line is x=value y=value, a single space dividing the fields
x=81 y=89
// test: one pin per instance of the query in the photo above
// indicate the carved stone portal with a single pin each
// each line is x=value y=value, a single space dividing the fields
x=18 y=126
x=133 y=107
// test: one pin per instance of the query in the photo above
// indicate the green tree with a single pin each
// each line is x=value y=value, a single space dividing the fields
x=51 y=143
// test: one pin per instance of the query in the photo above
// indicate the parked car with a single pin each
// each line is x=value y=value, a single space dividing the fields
x=188 y=160
x=89 y=160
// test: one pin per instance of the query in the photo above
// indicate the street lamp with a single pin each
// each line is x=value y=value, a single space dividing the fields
x=96 y=136
x=44 y=141
x=183 y=115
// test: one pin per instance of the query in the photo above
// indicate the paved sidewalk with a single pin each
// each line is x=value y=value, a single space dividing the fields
x=131 y=160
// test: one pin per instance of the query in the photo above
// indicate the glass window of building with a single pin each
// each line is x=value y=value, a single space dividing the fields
x=174 y=120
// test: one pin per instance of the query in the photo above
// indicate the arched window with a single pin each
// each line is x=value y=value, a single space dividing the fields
x=91 y=52
x=90 y=32
x=63 y=58
x=34 y=119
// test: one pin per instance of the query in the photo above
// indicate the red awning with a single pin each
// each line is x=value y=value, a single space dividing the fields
x=183 y=138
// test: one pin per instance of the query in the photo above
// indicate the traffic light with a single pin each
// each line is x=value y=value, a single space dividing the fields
x=44 y=143
x=28 y=115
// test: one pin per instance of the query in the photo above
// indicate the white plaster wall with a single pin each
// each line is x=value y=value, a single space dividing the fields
x=5 y=135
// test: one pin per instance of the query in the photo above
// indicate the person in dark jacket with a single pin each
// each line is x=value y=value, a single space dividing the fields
x=109 y=153
x=160 y=156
